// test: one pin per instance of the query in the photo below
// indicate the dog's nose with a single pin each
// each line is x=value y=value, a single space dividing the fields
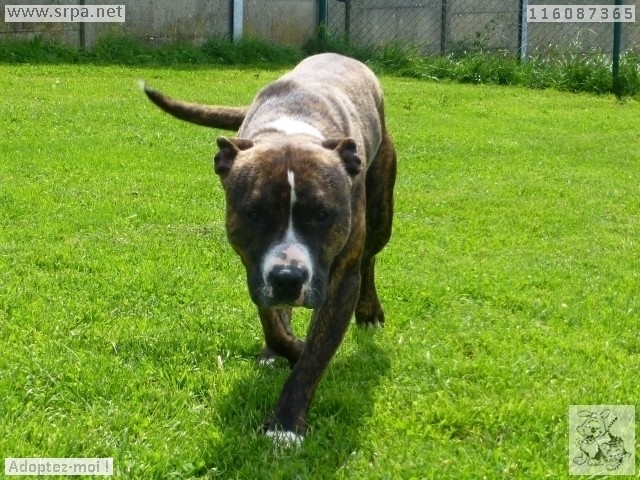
x=287 y=282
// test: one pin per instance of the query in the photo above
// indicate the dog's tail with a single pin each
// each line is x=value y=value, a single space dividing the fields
x=226 y=118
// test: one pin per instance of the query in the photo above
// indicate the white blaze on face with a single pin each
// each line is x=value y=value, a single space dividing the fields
x=290 y=252
x=292 y=201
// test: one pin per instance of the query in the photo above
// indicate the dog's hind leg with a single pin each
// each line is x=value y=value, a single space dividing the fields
x=379 y=183
x=369 y=311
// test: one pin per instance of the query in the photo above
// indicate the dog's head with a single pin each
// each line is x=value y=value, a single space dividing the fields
x=288 y=213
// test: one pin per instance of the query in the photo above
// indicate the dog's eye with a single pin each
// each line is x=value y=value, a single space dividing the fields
x=253 y=216
x=322 y=216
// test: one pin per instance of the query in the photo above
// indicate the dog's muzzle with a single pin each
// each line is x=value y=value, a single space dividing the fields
x=287 y=284
x=287 y=274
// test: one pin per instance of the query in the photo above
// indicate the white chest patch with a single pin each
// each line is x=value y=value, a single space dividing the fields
x=291 y=126
x=288 y=255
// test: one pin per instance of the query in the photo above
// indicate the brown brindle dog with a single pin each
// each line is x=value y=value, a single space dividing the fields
x=309 y=203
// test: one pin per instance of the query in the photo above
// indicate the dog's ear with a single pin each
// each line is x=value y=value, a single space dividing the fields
x=229 y=149
x=347 y=149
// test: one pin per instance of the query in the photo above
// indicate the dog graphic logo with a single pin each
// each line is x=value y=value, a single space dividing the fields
x=598 y=442
x=598 y=446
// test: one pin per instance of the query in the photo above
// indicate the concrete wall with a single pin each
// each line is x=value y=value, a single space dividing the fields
x=490 y=24
x=381 y=22
x=65 y=32
x=288 y=22
x=160 y=21
x=468 y=24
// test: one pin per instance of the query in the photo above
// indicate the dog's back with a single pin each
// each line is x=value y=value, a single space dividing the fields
x=327 y=96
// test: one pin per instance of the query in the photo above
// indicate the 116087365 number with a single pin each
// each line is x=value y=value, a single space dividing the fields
x=581 y=13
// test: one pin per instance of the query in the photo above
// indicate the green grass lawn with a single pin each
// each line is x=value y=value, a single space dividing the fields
x=511 y=285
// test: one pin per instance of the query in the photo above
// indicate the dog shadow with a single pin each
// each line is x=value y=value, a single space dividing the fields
x=343 y=405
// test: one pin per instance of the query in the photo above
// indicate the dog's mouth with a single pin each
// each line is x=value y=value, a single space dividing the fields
x=287 y=288
x=272 y=297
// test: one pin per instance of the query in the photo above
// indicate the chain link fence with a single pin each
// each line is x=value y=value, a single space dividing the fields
x=457 y=27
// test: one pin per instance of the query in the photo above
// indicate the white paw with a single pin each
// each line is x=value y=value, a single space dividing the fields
x=285 y=439
x=266 y=361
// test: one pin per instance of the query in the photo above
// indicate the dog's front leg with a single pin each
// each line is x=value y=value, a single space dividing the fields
x=279 y=338
x=328 y=326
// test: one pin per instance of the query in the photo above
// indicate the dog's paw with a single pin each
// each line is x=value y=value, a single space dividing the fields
x=369 y=313
x=283 y=438
x=373 y=325
x=266 y=361
x=370 y=321
x=267 y=357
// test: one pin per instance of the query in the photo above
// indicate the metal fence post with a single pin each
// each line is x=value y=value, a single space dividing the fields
x=443 y=28
x=615 y=67
x=83 y=36
x=237 y=19
x=523 y=31
x=323 y=14
x=347 y=19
